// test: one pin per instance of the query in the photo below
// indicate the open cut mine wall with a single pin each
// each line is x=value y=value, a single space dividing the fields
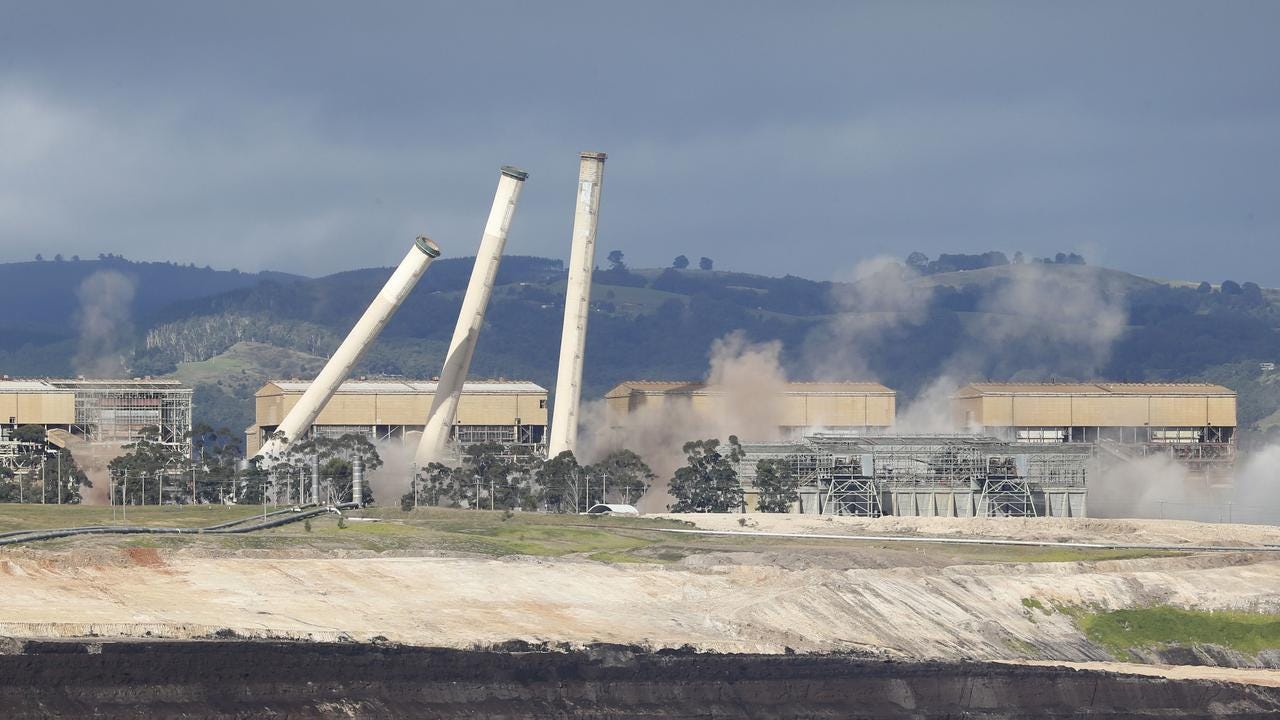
x=251 y=679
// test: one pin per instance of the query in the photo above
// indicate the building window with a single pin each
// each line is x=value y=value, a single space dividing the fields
x=542 y=404
x=473 y=434
x=1040 y=436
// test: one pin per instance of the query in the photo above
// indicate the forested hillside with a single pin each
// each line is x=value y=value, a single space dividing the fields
x=908 y=324
x=60 y=313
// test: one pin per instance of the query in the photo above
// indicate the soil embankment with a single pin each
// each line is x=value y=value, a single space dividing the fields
x=954 y=613
x=250 y=679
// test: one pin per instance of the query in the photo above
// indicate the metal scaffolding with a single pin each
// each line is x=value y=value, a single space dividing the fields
x=117 y=411
x=953 y=475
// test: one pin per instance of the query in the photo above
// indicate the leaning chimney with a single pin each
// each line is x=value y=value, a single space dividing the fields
x=577 y=304
x=444 y=405
x=366 y=330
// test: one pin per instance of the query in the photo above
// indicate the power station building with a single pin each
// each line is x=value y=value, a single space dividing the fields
x=858 y=407
x=502 y=411
x=1194 y=423
x=95 y=412
x=1172 y=413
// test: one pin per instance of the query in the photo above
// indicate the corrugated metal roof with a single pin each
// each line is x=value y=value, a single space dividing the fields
x=385 y=387
x=677 y=387
x=973 y=390
x=24 y=386
x=135 y=383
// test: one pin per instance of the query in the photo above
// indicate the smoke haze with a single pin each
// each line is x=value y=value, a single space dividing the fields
x=1064 y=318
x=104 y=319
x=749 y=379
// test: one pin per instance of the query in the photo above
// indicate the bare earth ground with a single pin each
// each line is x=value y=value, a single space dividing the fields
x=459 y=579
x=1097 y=530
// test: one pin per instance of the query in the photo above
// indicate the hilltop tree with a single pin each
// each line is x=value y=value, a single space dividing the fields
x=1204 y=288
x=615 y=260
x=777 y=486
x=680 y=263
x=1231 y=287
x=1253 y=294
x=705 y=263
x=918 y=261
x=708 y=483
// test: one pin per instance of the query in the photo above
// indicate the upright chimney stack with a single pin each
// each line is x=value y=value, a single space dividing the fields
x=444 y=406
x=366 y=330
x=315 y=479
x=357 y=480
x=577 y=306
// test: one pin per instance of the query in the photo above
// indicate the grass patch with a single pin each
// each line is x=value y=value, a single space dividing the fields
x=1120 y=630
x=554 y=541
x=1033 y=554
x=41 y=517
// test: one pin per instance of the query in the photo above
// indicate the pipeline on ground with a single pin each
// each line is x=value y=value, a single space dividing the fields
x=232 y=527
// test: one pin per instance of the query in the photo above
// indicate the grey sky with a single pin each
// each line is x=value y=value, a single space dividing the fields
x=778 y=138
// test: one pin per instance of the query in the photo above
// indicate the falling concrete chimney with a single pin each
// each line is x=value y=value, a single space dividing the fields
x=366 y=330
x=577 y=305
x=444 y=406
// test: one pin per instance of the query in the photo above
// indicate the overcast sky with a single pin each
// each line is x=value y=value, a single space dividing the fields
x=776 y=138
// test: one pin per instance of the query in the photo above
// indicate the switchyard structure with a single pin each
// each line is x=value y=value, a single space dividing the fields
x=1192 y=423
x=501 y=411
x=800 y=407
x=926 y=475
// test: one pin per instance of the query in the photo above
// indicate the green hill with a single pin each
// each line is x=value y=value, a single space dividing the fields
x=906 y=329
x=49 y=303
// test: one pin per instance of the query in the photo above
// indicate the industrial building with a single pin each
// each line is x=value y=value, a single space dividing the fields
x=503 y=411
x=94 y=412
x=1194 y=423
x=858 y=407
x=926 y=475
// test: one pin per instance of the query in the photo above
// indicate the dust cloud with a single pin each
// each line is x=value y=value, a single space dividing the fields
x=391 y=481
x=1039 y=323
x=748 y=379
x=1035 y=326
x=1159 y=487
x=94 y=459
x=105 y=325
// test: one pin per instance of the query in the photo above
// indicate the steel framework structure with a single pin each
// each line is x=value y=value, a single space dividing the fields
x=868 y=476
x=118 y=410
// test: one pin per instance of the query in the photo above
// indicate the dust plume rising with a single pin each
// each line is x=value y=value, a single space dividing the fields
x=747 y=380
x=879 y=297
x=93 y=459
x=105 y=325
x=1158 y=487
x=1037 y=324
x=391 y=481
